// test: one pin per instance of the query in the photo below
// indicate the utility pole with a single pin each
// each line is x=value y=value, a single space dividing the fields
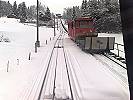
x=0 y=8
x=37 y=41
x=54 y=26
x=126 y=9
x=57 y=16
x=57 y=22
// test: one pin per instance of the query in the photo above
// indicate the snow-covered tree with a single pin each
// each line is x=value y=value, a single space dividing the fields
x=22 y=9
x=47 y=14
x=68 y=13
x=84 y=9
x=5 y=8
x=106 y=14
x=78 y=11
x=42 y=8
x=14 y=9
x=42 y=16
x=74 y=13
x=9 y=8
x=32 y=12
x=1 y=8
x=108 y=17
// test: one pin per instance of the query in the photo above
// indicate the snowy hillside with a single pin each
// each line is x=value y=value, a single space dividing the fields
x=22 y=39
x=16 y=52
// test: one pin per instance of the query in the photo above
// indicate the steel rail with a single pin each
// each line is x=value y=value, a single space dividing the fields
x=44 y=79
x=55 y=70
x=115 y=61
x=56 y=46
x=122 y=78
x=55 y=74
x=70 y=86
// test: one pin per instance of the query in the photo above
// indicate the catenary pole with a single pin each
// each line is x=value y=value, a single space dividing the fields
x=37 y=41
x=126 y=10
x=54 y=26
x=57 y=22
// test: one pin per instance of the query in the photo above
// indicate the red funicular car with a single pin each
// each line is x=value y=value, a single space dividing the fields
x=82 y=31
x=81 y=27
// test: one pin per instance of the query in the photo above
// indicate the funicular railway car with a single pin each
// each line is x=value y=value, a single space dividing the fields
x=81 y=30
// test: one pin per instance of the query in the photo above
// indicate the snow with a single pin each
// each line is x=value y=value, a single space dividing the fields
x=91 y=80
x=119 y=40
x=19 y=80
x=61 y=85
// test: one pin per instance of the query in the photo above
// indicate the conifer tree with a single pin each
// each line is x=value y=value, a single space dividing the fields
x=22 y=9
x=84 y=8
x=47 y=14
x=74 y=13
x=1 y=8
x=14 y=9
x=9 y=8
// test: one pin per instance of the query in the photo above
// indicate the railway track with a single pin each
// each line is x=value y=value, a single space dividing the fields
x=117 y=70
x=118 y=64
x=120 y=61
x=57 y=84
x=115 y=66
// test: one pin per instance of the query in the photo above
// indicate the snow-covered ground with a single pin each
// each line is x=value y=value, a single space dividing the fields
x=119 y=40
x=22 y=72
x=91 y=79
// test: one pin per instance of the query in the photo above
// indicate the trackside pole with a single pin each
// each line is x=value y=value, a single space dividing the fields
x=126 y=9
x=46 y=42
x=54 y=26
x=35 y=47
x=37 y=41
x=8 y=66
x=17 y=61
x=57 y=22
x=29 y=56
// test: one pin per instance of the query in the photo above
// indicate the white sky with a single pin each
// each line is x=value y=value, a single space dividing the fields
x=56 y=6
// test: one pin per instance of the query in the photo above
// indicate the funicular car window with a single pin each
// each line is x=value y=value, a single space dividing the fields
x=72 y=25
x=86 y=24
x=77 y=24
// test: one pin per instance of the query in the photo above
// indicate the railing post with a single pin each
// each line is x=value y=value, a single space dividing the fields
x=118 y=50
x=30 y=56
x=54 y=26
x=8 y=66
x=46 y=42
x=35 y=47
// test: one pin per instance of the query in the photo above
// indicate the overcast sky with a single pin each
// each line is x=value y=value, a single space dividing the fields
x=55 y=6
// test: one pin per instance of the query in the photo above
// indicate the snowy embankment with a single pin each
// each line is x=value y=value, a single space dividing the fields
x=92 y=80
x=18 y=82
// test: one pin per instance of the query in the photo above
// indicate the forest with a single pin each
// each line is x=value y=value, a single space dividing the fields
x=23 y=12
x=106 y=14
